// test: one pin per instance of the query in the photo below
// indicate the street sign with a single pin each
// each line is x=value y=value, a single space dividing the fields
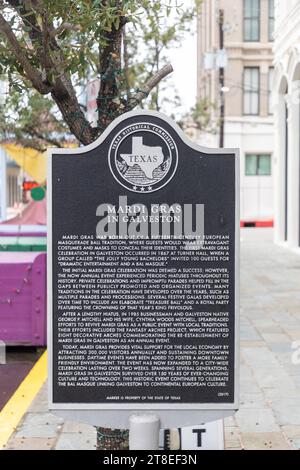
x=143 y=253
x=215 y=60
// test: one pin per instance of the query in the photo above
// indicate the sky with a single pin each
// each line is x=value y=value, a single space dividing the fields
x=184 y=77
x=184 y=61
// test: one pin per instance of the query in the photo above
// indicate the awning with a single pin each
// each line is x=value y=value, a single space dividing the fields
x=32 y=162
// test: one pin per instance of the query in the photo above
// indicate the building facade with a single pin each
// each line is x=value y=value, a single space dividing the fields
x=11 y=179
x=248 y=41
x=286 y=98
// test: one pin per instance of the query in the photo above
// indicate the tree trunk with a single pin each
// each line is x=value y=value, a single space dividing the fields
x=74 y=117
x=126 y=64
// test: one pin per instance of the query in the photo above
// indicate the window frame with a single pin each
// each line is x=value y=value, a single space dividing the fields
x=252 y=19
x=271 y=20
x=270 y=72
x=257 y=158
x=251 y=91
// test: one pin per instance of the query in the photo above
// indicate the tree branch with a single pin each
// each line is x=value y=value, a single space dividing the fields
x=138 y=97
x=47 y=49
x=53 y=79
x=31 y=143
x=52 y=76
x=109 y=103
x=31 y=72
x=63 y=27
x=34 y=133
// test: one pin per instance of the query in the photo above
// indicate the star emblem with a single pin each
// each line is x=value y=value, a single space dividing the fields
x=142 y=189
x=149 y=188
x=134 y=187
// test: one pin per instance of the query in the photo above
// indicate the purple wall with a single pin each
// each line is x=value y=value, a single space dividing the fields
x=23 y=298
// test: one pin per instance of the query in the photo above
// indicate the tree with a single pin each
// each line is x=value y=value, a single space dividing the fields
x=50 y=45
x=160 y=34
x=202 y=115
x=51 y=48
x=32 y=121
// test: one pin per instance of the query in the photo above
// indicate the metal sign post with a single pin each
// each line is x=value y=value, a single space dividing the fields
x=143 y=279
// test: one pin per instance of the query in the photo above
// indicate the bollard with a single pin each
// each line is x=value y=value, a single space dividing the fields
x=144 y=432
x=2 y=352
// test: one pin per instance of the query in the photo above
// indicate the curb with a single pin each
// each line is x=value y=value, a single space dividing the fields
x=16 y=407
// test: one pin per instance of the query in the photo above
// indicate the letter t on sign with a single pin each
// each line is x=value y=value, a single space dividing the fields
x=199 y=433
x=205 y=436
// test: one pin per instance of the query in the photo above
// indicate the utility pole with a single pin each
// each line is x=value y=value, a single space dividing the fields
x=221 y=80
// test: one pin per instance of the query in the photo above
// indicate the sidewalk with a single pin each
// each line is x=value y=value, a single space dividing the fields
x=269 y=417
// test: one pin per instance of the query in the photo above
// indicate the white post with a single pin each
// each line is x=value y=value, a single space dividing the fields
x=279 y=181
x=2 y=353
x=144 y=432
x=293 y=166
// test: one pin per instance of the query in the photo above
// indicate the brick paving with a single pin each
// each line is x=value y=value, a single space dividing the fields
x=269 y=417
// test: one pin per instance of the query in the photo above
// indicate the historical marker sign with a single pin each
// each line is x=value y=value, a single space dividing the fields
x=143 y=271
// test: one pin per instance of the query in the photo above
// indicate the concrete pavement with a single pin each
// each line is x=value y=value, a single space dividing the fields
x=269 y=417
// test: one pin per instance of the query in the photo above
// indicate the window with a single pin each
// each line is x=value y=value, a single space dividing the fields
x=271 y=20
x=251 y=90
x=258 y=165
x=271 y=77
x=251 y=20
